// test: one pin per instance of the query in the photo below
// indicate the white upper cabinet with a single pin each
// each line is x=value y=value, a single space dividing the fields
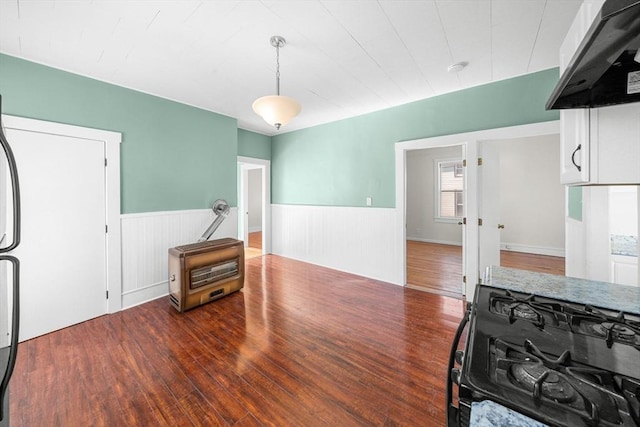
x=574 y=146
x=598 y=145
x=615 y=144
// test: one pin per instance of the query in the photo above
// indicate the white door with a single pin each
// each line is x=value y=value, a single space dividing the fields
x=63 y=247
x=488 y=207
x=244 y=205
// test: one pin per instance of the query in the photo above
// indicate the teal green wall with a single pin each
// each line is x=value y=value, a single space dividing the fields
x=575 y=203
x=173 y=156
x=343 y=162
x=251 y=144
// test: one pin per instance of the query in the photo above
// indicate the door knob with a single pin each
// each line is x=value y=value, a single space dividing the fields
x=500 y=226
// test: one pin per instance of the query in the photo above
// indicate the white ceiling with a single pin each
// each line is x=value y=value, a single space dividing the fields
x=343 y=57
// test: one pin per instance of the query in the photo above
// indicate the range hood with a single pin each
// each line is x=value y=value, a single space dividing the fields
x=605 y=69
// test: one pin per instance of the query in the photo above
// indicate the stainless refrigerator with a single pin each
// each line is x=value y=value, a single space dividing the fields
x=9 y=269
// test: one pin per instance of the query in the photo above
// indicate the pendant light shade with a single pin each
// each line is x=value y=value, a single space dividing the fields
x=277 y=110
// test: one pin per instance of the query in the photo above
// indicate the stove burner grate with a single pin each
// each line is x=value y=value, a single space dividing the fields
x=525 y=308
x=594 y=395
x=612 y=328
x=524 y=311
x=541 y=381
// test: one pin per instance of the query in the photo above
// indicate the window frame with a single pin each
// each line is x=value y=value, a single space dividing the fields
x=437 y=191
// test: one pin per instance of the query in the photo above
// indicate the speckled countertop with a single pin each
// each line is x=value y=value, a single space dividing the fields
x=597 y=294
x=624 y=245
x=491 y=414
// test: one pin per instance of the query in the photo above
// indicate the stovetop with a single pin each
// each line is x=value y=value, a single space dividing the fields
x=613 y=327
x=561 y=363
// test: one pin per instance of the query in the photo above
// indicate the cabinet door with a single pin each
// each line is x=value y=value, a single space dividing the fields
x=615 y=144
x=574 y=146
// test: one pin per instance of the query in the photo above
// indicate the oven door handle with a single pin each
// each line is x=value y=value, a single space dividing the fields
x=452 y=411
x=15 y=186
x=15 y=328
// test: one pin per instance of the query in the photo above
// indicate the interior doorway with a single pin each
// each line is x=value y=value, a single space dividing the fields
x=473 y=260
x=435 y=211
x=522 y=206
x=254 y=211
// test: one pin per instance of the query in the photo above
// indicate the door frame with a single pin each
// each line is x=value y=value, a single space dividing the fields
x=244 y=165
x=470 y=140
x=111 y=140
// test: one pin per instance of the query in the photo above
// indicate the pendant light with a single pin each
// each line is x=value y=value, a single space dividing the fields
x=277 y=110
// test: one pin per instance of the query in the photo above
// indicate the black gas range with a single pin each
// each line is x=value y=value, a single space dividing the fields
x=558 y=363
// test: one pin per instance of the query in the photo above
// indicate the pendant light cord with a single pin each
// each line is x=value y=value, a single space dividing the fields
x=278 y=68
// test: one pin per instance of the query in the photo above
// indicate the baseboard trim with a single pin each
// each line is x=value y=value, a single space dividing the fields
x=511 y=247
x=143 y=295
x=537 y=250
x=439 y=242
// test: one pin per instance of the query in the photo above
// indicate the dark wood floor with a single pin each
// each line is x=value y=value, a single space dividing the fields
x=254 y=245
x=434 y=267
x=255 y=240
x=533 y=262
x=300 y=345
x=438 y=268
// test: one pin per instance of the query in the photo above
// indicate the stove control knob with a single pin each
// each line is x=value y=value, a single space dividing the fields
x=459 y=356
x=455 y=376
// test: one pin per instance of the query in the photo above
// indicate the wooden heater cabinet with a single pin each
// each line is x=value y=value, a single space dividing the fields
x=205 y=271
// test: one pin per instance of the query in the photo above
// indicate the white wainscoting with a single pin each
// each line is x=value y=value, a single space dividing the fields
x=146 y=239
x=356 y=240
x=624 y=270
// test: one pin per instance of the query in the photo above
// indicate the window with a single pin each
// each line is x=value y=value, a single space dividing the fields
x=450 y=190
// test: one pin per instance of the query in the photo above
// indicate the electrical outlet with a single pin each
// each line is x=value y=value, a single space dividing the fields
x=368 y=201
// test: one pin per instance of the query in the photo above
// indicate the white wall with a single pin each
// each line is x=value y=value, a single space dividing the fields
x=255 y=200
x=421 y=197
x=531 y=196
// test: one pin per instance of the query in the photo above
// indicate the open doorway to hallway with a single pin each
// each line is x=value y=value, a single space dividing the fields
x=253 y=245
x=254 y=196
